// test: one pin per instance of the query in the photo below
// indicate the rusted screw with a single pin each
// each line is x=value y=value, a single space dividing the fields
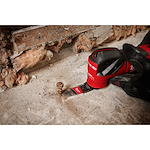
x=60 y=85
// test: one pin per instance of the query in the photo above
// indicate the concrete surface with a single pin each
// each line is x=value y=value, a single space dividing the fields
x=38 y=102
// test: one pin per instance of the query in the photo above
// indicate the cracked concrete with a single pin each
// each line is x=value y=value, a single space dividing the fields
x=38 y=102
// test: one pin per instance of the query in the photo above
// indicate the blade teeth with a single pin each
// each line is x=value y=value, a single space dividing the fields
x=70 y=92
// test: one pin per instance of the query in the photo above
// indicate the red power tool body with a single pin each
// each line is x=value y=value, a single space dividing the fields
x=108 y=64
x=104 y=64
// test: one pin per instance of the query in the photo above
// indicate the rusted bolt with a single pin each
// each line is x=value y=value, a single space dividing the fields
x=60 y=85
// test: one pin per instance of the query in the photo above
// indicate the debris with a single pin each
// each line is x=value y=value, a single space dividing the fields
x=51 y=65
x=92 y=38
x=29 y=58
x=4 y=73
x=82 y=43
x=59 y=86
x=124 y=31
x=1 y=83
x=69 y=40
x=55 y=48
x=10 y=78
x=49 y=54
x=3 y=57
x=1 y=90
x=34 y=77
x=22 y=78
x=4 y=87
x=67 y=29
x=117 y=32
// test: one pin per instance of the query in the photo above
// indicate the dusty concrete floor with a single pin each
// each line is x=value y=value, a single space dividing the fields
x=38 y=102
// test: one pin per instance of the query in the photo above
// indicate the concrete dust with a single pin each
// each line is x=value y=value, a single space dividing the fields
x=39 y=103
